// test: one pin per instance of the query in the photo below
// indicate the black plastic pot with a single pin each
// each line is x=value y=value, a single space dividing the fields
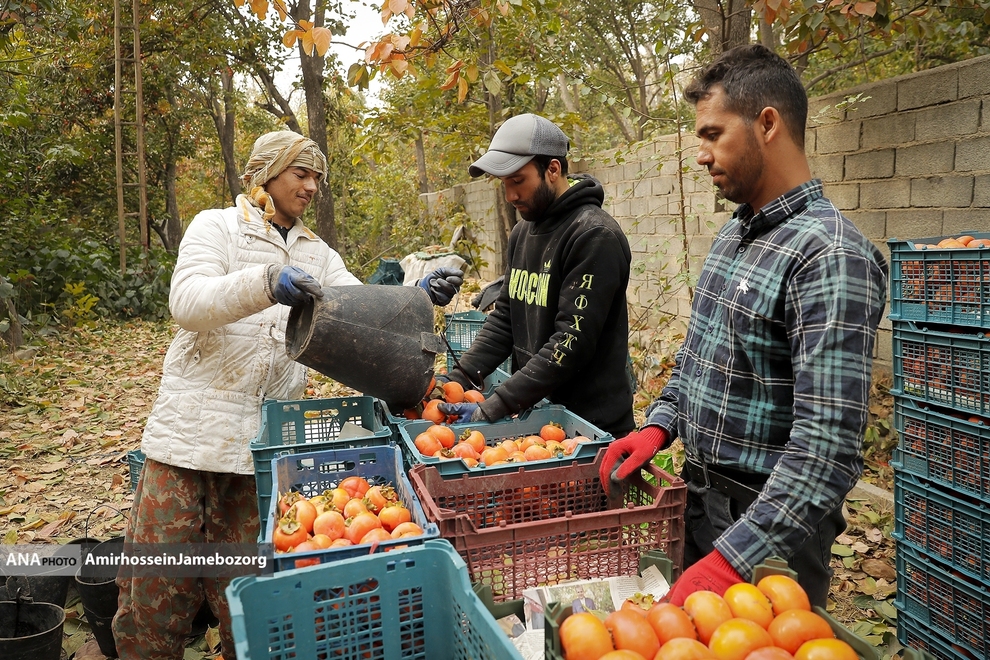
x=98 y=592
x=30 y=631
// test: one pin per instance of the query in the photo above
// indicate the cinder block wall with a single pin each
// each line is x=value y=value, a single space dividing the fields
x=912 y=160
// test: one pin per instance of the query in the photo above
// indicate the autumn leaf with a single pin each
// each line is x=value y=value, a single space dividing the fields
x=866 y=8
x=289 y=38
x=462 y=89
x=397 y=6
x=260 y=8
x=415 y=35
x=280 y=7
x=471 y=72
x=386 y=14
x=451 y=81
x=503 y=8
x=456 y=66
x=399 y=65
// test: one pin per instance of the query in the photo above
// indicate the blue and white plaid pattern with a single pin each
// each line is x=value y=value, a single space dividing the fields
x=773 y=377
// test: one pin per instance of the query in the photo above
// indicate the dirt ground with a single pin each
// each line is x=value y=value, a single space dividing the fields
x=70 y=412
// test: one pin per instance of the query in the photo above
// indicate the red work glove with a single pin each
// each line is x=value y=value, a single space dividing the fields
x=713 y=573
x=628 y=454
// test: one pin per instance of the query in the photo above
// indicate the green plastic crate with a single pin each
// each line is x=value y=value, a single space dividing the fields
x=395 y=421
x=135 y=462
x=462 y=328
x=940 y=285
x=921 y=643
x=412 y=604
x=528 y=422
x=293 y=427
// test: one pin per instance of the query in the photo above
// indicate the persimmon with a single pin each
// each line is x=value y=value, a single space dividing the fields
x=531 y=440
x=748 y=602
x=631 y=632
x=623 y=654
x=708 y=611
x=429 y=390
x=966 y=240
x=355 y=486
x=770 y=653
x=444 y=435
x=552 y=431
x=510 y=446
x=406 y=528
x=464 y=450
x=355 y=506
x=360 y=525
x=583 y=636
x=330 y=524
x=394 y=515
x=793 y=628
x=340 y=543
x=517 y=457
x=473 y=396
x=376 y=535
x=683 y=648
x=306 y=546
x=305 y=514
x=475 y=439
x=826 y=649
x=427 y=444
x=322 y=541
x=569 y=445
x=537 y=453
x=338 y=498
x=736 y=638
x=638 y=604
x=432 y=412
x=287 y=500
x=670 y=622
x=979 y=242
x=453 y=392
x=493 y=455
x=378 y=497
x=784 y=593
x=288 y=533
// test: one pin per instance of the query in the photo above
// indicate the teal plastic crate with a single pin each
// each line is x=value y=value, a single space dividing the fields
x=293 y=427
x=947 y=369
x=528 y=422
x=316 y=472
x=135 y=462
x=940 y=524
x=936 y=444
x=957 y=608
x=462 y=328
x=412 y=604
x=921 y=643
x=395 y=421
x=940 y=285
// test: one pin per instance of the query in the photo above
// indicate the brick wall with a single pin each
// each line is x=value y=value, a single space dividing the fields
x=910 y=161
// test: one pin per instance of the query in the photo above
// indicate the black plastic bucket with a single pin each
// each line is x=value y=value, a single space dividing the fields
x=378 y=340
x=30 y=631
x=98 y=592
x=47 y=587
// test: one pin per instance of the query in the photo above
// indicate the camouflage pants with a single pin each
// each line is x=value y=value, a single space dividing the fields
x=176 y=505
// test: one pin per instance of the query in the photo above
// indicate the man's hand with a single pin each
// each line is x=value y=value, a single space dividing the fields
x=466 y=412
x=292 y=285
x=712 y=573
x=442 y=284
x=628 y=454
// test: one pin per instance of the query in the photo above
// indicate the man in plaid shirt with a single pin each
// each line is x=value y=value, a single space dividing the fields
x=770 y=390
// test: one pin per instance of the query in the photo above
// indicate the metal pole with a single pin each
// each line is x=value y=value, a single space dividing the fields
x=118 y=137
x=139 y=122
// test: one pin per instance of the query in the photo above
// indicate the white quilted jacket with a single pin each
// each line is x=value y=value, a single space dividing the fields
x=229 y=354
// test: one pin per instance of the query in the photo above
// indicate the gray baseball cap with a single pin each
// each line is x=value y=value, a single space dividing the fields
x=517 y=141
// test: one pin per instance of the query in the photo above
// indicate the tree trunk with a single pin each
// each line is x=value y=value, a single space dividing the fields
x=14 y=336
x=424 y=182
x=173 y=222
x=316 y=113
x=727 y=21
x=224 y=119
x=504 y=212
x=767 y=37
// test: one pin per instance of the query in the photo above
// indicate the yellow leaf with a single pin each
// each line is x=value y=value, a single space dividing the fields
x=321 y=39
x=397 y=6
x=280 y=7
x=399 y=67
x=472 y=73
x=415 y=35
x=260 y=8
x=238 y=3
x=289 y=39
x=306 y=25
x=451 y=81
x=462 y=89
x=307 y=42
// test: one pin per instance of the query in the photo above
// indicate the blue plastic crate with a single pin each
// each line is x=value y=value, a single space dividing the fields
x=940 y=285
x=462 y=328
x=313 y=473
x=942 y=368
x=936 y=444
x=957 y=608
x=293 y=427
x=528 y=422
x=135 y=462
x=922 y=643
x=939 y=524
x=409 y=604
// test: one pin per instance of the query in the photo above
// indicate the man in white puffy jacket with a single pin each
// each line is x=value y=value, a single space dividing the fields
x=239 y=270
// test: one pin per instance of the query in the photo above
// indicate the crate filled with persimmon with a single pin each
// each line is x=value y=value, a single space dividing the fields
x=526 y=527
x=941 y=280
x=342 y=503
x=542 y=437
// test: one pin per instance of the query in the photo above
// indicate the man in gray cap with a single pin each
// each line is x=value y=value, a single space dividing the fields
x=561 y=312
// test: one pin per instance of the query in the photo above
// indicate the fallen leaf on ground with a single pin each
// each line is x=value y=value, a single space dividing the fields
x=878 y=568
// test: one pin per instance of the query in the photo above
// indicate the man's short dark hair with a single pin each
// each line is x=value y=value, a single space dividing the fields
x=543 y=162
x=754 y=77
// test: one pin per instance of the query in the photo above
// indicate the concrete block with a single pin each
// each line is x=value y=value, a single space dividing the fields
x=956 y=222
x=913 y=223
x=844 y=195
x=622 y=209
x=889 y=130
x=836 y=138
x=822 y=111
x=630 y=171
x=950 y=120
x=950 y=191
x=981 y=191
x=873 y=224
x=919 y=90
x=890 y=194
x=810 y=141
x=974 y=77
x=639 y=207
x=663 y=185
x=973 y=154
x=643 y=188
x=985 y=116
x=882 y=101
x=870 y=165
x=828 y=168
x=925 y=159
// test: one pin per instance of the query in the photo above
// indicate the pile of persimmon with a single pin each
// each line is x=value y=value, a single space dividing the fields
x=437 y=393
x=354 y=512
x=440 y=441
x=955 y=242
x=771 y=620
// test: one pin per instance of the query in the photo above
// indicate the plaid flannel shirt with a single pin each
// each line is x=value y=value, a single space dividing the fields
x=774 y=374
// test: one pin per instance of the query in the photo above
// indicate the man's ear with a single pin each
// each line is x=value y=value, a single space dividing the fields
x=770 y=125
x=553 y=169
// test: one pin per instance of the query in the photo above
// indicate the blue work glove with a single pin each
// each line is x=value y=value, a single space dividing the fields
x=626 y=455
x=442 y=284
x=466 y=412
x=293 y=286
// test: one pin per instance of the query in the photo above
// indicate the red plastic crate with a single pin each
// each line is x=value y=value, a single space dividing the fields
x=536 y=527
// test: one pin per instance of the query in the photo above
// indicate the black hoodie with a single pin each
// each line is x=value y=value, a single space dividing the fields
x=561 y=314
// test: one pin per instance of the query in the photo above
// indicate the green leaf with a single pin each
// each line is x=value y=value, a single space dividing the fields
x=502 y=66
x=492 y=83
x=357 y=76
x=842 y=550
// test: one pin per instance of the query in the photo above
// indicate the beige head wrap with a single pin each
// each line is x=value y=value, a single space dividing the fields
x=273 y=153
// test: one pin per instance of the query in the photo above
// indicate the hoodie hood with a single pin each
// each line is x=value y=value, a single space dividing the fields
x=584 y=190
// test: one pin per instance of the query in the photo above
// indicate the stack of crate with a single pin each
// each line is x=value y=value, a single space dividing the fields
x=940 y=311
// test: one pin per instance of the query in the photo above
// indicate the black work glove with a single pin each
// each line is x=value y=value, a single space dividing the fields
x=442 y=284
x=292 y=285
